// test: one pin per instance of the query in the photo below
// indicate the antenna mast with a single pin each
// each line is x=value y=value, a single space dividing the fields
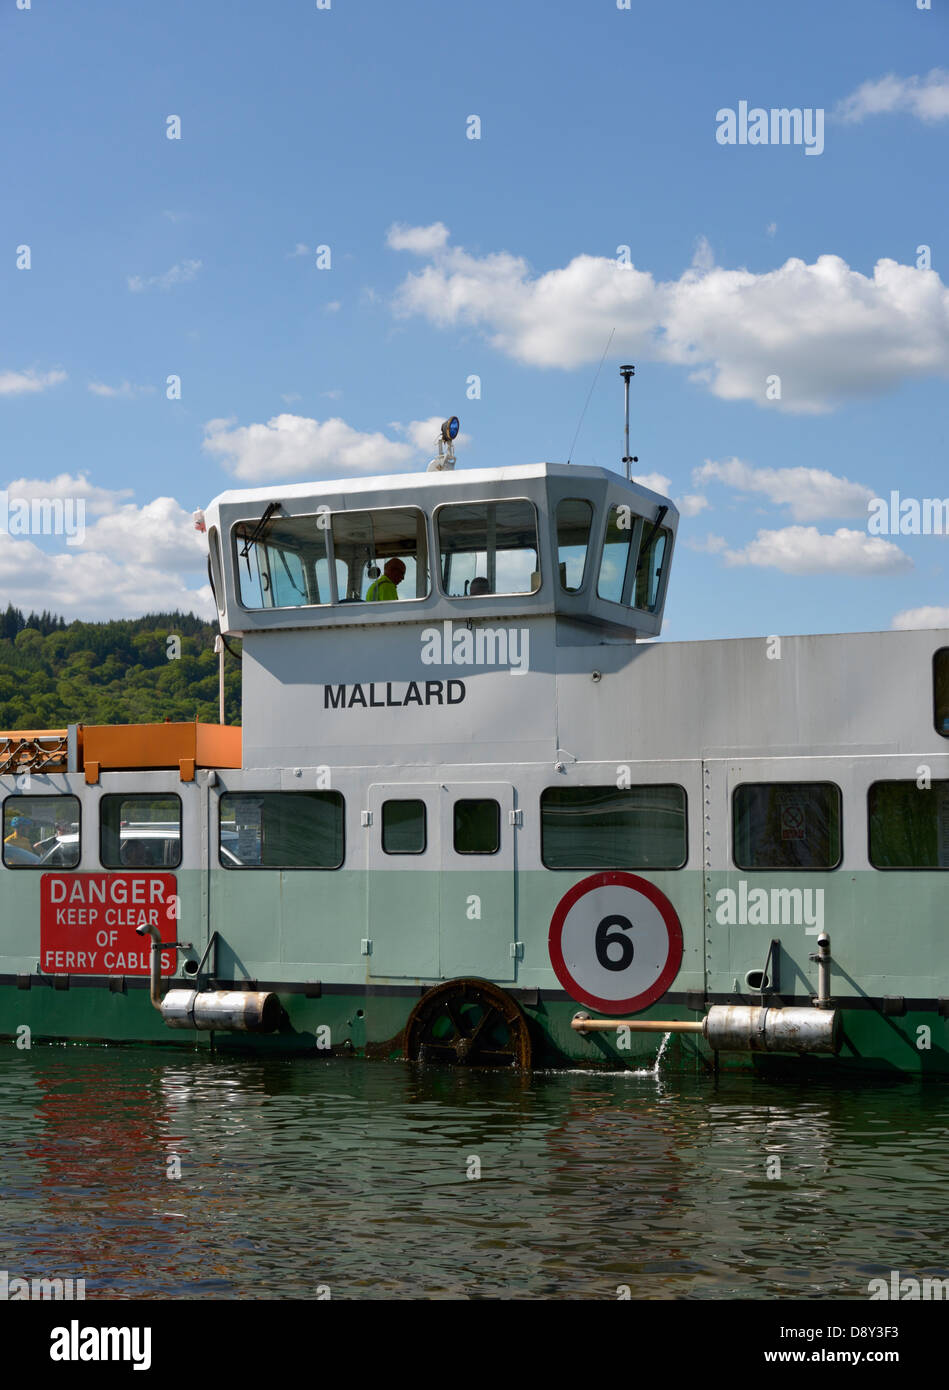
x=626 y=373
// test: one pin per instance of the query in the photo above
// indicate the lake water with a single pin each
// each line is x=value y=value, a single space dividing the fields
x=353 y=1176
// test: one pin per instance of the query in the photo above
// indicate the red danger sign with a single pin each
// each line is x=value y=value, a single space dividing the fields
x=615 y=943
x=88 y=922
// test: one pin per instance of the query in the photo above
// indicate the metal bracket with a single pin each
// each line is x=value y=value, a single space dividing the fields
x=212 y=945
x=773 y=959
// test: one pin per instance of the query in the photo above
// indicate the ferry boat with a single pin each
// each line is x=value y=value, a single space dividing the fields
x=476 y=815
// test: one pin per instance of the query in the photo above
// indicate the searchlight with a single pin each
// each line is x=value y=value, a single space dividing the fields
x=444 y=460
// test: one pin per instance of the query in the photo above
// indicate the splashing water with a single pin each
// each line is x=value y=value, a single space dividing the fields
x=654 y=1069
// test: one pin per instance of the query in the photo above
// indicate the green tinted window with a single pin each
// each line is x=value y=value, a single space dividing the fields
x=649 y=570
x=403 y=827
x=909 y=825
x=613 y=827
x=140 y=832
x=574 y=520
x=41 y=832
x=477 y=827
x=281 y=830
x=941 y=691
x=786 y=825
x=615 y=558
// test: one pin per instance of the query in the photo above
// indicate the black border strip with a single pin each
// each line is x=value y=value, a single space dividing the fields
x=889 y=1005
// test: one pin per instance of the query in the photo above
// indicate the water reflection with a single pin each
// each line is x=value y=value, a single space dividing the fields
x=354 y=1175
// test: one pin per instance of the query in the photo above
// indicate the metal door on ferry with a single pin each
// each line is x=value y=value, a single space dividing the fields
x=404 y=867
x=477 y=933
x=441 y=880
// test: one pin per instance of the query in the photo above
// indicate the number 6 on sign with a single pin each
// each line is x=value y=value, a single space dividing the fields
x=615 y=943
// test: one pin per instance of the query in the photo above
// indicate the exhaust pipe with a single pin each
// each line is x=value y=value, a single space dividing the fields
x=233 y=1010
x=223 y=1010
x=739 y=1028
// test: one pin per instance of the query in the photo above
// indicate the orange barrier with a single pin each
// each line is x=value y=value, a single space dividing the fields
x=105 y=747
x=143 y=746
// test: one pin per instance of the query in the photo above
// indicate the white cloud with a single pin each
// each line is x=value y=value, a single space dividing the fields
x=126 y=390
x=712 y=545
x=290 y=445
x=333 y=307
x=921 y=618
x=691 y=504
x=421 y=240
x=805 y=550
x=771 y=229
x=656 y=482
x=178 y=274
x=98 y=500
x=812 y=494
x=93 y=585
x=829 y=332
x=26 y=383
x=925 y=97
x=160 y=533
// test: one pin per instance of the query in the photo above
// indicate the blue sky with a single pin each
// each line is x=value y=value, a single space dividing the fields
x=304 y=127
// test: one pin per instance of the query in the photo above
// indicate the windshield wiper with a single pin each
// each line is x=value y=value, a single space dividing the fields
x=644 y=548
x=259 y=529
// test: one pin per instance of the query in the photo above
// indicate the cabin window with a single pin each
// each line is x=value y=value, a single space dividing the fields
x=908 y=825
x=574 y=522
x=281 y=830
x=488 y=548
x=477 y=827
x=614 y=562
x=941 y=691
x=286 y=566
x=787 y=825
x=217 y=581
x=382 y=555
x=611 y=827
x=140 y=832
x=41 y=832
x=404 y=829
x=652 y=557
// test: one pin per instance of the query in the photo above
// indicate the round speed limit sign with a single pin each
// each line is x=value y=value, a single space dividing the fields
x=615 y=943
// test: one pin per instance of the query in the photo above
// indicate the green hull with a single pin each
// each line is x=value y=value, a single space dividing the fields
x=371 y=1024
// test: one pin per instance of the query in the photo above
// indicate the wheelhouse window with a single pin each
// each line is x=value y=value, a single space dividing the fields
x=908 y=825
x=574 y=522
x=652 y=557
x=787 y=825
x=41 y=832
x=140 y=832
x=477 y=826
x=283 y=563
x=381 y=555
x=404 y=828
x=488 y=548
x=941 y=691
x=281 y=830
x=642 y=827
x=614 y=562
